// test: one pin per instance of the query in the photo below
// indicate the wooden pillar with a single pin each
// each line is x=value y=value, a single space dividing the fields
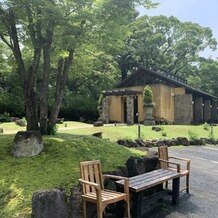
x=207 y=111
x=198 y=109
x=214 y=112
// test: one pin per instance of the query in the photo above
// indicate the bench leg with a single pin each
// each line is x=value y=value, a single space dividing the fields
x=175 y=193
x=137 y=204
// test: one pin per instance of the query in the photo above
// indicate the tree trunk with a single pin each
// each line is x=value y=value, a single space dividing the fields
x=62 y=74
x=45 y=82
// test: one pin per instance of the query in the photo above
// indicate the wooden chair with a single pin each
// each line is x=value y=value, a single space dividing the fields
x=92 y=182
x=165 y=163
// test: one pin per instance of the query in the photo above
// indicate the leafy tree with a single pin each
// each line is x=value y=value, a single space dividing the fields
x=206 y=76
x=165 y=43
x=44 y=37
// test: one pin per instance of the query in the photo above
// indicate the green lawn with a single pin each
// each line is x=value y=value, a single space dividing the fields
x=131 y=132
x=56 y=167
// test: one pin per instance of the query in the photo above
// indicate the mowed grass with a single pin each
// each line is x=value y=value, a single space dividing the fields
x=131 y=132
x=56 y=167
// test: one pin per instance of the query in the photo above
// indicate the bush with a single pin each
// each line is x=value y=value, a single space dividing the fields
x=206 y=126
x=148 y=96
x=164 y=134
x=52 y=129
x=5 y=117
x=192 y=135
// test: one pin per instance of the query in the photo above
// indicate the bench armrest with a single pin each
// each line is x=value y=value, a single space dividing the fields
x=188 y=161
x=95 y=185
x=173 y=163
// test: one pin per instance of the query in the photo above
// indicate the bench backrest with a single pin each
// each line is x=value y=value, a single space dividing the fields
x=163 y=154
x=91 y=171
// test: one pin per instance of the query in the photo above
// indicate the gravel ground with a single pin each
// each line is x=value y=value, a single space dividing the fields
x=203 y=198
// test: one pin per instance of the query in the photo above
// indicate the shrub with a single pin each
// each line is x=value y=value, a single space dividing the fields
x=206 y=126
x=164 y=134
x=5 y=117
x=148 y=96
x=192 y=135
x=52 y=129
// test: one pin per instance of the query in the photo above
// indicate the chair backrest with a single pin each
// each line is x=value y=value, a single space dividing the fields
x=163 y=154
x=91 y=171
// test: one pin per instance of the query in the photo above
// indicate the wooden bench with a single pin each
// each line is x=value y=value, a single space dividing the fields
x=138 y=184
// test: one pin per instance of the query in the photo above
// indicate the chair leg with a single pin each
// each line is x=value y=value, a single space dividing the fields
x=99 y=211
x=127 y=209
x=187 y=183
x=84 y=209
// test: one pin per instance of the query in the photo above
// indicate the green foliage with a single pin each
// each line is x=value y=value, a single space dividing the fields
x=167 y=44
x=164 y=133
x=52 y=129
x=192 y=135
x=100 y=100
x=56 y=167
x=147 y=96
x=206 y=126
x=5 y=117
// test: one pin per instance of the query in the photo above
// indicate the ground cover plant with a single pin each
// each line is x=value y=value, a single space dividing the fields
x=131 y=132
x=56 y=167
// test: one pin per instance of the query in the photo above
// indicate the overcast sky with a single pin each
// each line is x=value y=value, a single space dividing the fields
x=203 y=12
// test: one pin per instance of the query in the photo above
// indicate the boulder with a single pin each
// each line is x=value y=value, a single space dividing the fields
x=98 y=123
x=49 y=204
x=20 y=123
x=75 y=203
x=148 y=144
x=167 y=142
x=159 y=143
x=122 y=142
x=150 y=163
x=27 y=144
x=174 y=142
x=156 y=128
x=183 y=141
x=97 y=134
x=135 y=166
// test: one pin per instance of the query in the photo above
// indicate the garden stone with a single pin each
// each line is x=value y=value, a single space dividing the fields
x=159 y=143
x=140 y=142
x=98 y=134
x=75 y=203
x=20 y=123
x=156 y=128
x=49 y=204
x=135 y=166
x=1 y=130
x=148 y=144
x=167 y=142
x=150 y=163
x=27 y=144
x=183 y=141
x=122 y=142
x=174 y=142
x=98 y=123
x=14 y=119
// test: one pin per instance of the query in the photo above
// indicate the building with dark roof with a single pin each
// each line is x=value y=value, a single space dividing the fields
x=175 y=100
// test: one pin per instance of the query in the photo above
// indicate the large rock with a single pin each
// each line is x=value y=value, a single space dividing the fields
x=183 y=141
x=49 y=204
x=27 y=144
x=135 y=166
